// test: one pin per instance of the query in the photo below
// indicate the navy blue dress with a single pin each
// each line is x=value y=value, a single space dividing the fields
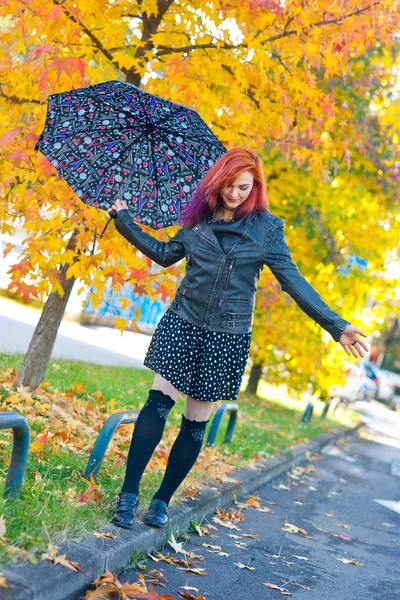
x=206 y=365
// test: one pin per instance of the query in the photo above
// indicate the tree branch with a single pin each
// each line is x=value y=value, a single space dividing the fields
x=15 y=99
x=285 y=33
x=89 y=33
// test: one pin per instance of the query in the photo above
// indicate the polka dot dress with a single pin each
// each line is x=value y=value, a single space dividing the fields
x=207 y=365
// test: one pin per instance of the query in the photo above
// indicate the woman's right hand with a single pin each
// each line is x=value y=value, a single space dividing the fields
x=118 y=205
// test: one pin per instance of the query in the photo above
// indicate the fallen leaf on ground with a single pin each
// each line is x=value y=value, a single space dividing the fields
x=214 y=547
x=387 y=524
x=343 y=525
x=219 y=552
x=281 y=486
x=150 y=595
x=250 y=535
x=189 y=588
x=168 y=559
x=70 y=564
x=154 y=574
x=177 y=546
x=342 y=536
x=191 y=492
x=202 y=530
x=153 y=557
x=240 y=545
x=188 y=596
x=60 y=559
x=304 y=587
x=233 y=515
x=329 y=515
x=283 y=591
x=197 y=571
x=300 y=557
x=102 y=534
x=242 y=566
x=226 y=524
x=348 y=561
x=3 y=581
x=289 y=527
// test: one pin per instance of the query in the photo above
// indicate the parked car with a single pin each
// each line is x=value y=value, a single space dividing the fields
x=395 y=378
x=385 y=384
x=358 y=385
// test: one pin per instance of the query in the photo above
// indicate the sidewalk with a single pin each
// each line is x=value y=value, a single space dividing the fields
x=101 y=345
x=95 y=555
x=343 y=507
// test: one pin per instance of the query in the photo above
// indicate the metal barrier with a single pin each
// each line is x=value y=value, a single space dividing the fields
x=104 y=439
x=330 y=407
x=232 y=408
x=306 y=418
x=20 y=450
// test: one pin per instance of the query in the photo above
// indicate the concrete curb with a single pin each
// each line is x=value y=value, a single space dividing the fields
x=46 y=581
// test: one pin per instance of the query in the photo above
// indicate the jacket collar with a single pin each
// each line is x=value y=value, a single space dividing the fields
x=204 y=229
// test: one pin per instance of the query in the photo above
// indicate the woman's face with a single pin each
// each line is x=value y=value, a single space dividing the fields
x=238 y=191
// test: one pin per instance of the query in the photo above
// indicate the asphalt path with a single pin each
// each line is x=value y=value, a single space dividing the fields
x=347 y=501
x=95 y=344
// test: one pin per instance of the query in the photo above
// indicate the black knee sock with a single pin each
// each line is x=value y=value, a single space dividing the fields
x=182 y=457
x=147 y=434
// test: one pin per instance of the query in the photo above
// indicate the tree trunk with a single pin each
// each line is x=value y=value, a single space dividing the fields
x=255 y=375
x=36 y=359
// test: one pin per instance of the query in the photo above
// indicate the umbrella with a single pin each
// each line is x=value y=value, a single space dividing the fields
x=114 y=141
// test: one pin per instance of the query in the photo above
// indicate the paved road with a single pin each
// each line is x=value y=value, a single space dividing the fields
x=100 y=345
x=354 y=485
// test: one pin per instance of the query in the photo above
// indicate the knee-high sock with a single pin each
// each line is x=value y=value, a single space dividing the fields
x=147 y=434
x=182 y=457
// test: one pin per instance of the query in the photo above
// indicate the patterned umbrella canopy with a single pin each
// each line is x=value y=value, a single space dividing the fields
x=115 y=141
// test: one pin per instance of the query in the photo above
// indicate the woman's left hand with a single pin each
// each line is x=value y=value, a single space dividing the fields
x=118 y=205
x=351 y=343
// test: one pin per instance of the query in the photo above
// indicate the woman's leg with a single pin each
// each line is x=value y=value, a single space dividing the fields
x=148 y=431
x=186 y=447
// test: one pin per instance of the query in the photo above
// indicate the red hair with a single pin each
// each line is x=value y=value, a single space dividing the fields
x=224 y=172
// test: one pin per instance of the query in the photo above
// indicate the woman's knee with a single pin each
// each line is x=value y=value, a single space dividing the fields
x=197 y=410
x=162 y=384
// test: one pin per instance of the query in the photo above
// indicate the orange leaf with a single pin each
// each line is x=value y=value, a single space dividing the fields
x=7 y=249
x=24 y=290
x=152 y=595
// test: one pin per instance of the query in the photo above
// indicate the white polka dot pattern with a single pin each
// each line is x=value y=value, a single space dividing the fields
x=207 y=365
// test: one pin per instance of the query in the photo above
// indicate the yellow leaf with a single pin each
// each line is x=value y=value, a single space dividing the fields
x=120 y=323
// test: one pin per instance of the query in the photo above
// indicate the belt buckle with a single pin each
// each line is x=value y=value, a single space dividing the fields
x=229 y=315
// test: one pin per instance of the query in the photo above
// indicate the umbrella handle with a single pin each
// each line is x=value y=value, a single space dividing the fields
x=113 y=215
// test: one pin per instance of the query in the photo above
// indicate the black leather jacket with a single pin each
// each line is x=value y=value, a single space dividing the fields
x=218 y=290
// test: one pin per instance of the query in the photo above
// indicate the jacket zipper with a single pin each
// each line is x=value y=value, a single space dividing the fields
x=213 y=294
x=229 y=274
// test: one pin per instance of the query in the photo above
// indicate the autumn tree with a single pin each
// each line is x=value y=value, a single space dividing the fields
x=249 y=67
x=350 y=210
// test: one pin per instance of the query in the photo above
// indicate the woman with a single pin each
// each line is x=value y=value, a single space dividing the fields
x=201 y=345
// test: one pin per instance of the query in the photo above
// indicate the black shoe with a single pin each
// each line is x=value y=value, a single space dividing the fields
x=157 y=514
x=124 y=515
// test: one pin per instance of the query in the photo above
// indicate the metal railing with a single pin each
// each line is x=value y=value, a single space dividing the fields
x=232 y=408
x=19 y=454
x=104 y=439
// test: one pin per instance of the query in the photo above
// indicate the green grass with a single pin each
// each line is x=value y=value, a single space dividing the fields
x=47 y=508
